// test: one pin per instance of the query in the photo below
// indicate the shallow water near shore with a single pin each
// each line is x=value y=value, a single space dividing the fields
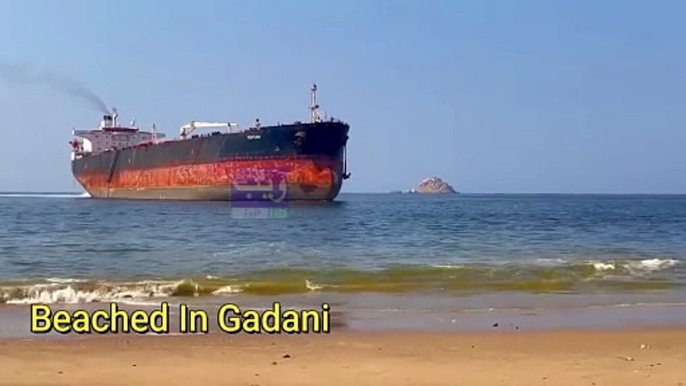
x=385 y=259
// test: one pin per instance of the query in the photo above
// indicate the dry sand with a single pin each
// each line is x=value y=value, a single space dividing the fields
x=354 y=358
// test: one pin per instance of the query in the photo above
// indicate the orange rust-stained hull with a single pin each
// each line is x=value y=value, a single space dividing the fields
x=296 y=178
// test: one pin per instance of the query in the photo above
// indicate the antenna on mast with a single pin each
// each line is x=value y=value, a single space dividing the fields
x=314 y=115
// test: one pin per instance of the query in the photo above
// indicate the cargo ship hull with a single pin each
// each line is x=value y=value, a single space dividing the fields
x=301 y=161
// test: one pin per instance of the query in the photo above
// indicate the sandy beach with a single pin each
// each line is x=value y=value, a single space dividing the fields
x=627 y=357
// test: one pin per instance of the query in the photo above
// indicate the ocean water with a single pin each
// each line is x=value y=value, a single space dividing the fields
x=387 y=243
x=370 y=251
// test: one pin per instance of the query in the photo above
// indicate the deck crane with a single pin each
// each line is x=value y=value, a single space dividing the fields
x=193 y=125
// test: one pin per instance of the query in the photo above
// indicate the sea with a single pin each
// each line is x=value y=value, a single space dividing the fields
x=382 y=261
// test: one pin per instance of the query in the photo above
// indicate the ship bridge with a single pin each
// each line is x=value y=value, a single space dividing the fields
x=110 y=136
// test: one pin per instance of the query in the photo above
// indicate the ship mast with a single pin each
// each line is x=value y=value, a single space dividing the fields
x=314 y=115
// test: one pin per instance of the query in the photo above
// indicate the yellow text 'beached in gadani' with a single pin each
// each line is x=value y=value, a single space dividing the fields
x=230 y=319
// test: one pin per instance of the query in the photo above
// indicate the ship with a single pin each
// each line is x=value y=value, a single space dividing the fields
x=275 y=163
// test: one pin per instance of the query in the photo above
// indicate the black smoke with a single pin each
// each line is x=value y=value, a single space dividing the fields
x=26 y=74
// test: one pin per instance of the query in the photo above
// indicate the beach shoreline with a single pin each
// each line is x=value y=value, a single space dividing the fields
x=408 y=312
x=579 y=345
x=643 y=356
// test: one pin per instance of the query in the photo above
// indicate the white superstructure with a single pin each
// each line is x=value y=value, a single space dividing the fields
x=110 y=136
x=194 y=125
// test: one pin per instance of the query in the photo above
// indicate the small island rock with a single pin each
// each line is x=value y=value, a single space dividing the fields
x=433 y=185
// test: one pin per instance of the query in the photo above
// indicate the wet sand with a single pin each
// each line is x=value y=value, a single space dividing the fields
x=434 y=312
x=622 y=357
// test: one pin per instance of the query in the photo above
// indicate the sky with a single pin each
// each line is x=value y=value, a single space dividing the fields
x=492 y=96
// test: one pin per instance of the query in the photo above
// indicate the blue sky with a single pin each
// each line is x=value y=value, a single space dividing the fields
x=493 y=96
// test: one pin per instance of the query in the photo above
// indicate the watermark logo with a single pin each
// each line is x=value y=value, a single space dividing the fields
x=258 y=193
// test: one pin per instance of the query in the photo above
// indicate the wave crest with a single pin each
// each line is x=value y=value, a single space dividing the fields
x=539 y=277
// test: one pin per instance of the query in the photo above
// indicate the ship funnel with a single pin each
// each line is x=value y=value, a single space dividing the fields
x=106 y=121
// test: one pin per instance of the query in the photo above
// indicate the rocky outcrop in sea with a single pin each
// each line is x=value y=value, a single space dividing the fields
x=433 y=185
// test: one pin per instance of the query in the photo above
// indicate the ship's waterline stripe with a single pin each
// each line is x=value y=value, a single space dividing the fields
x=216 y=193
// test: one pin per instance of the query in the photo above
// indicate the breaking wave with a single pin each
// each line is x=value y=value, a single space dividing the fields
x=538 y=277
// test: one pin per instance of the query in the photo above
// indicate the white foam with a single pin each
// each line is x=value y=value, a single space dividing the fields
x=650 y=265
x=447 y=266
x=58 y=280
x=227 y=290
x=64 y=295
x=600 y=266
x=635 y=267
x=52 y=293
x=312 y=287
